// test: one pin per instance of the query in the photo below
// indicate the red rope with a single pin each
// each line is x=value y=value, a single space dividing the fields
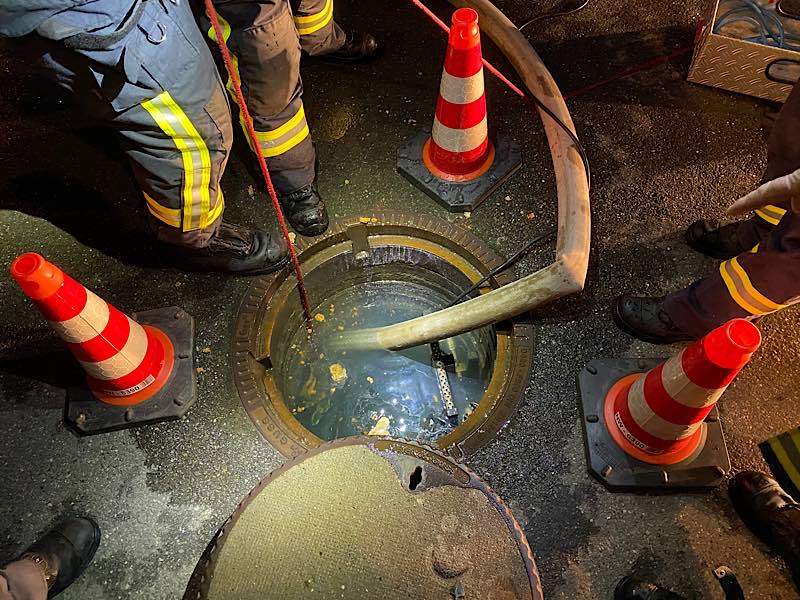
x=621 y=75
x=628 y=72
x=226 y=57
x=494 y=70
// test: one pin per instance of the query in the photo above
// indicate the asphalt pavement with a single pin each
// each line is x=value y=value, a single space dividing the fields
x=663 y=152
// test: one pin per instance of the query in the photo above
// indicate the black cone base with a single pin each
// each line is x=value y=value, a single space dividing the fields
x=617 y=470
x=87 y=415
x=458 y=197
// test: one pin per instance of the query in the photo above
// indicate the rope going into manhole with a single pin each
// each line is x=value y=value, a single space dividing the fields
x=262 y=163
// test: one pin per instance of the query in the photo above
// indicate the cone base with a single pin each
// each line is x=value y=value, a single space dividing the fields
x=459 y=196
x=453 y=177
x=617 y=470
x=170 y=399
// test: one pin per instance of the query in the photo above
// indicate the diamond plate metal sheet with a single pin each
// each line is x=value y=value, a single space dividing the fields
x=738 y=66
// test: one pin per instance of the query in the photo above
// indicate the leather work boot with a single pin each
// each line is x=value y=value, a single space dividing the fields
x=643 y=318
x=64 y=552
x=358 y=47
x=634 y=588
x=723 y=241
x=239 y=250
x=770 y=513
x=305 y=210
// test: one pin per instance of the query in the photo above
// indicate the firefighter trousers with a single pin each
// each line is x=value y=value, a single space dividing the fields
x=160 y=89
x=782 y=453
x=767 y=278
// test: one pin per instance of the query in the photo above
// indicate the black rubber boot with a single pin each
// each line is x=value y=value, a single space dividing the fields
x=643 y=318
x=358 y=47
x=634 y=588
x=305 y=210
x=770 y=513
x=64 y=552
x=726 y=241
x=240 y=251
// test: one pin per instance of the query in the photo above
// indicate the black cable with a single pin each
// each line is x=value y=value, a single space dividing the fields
x=506 y=265
x=552 y=15
x=578 y=145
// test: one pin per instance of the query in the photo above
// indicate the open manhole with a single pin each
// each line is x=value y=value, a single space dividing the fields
x=300 y=393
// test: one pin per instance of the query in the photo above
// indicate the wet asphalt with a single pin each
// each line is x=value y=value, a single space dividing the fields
x=663 y=152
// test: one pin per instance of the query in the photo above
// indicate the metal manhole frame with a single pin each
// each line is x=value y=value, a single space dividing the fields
x=459 y=473
x=263 y=401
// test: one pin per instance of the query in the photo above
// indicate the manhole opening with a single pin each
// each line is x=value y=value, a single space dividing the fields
x=300 y=394
x=336 y=394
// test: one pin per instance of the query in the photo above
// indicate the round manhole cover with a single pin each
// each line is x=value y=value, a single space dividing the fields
x=376 y=518
x=301 y=392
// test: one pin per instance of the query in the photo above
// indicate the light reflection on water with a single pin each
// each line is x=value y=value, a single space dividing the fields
x=342 y=394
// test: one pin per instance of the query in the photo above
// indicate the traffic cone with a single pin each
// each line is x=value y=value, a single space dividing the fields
x=131 y=368
x=456 y=162
x=661 y=428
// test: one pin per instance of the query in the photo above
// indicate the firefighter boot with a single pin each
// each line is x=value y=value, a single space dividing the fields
x=64 y=552
x=770 y=513
x=726 y=241
x=634 y=588
x=240 y=251
x=305 y=210
x=645 y=319
x=358 y=47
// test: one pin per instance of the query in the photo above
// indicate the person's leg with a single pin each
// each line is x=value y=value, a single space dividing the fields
x=770 y=513
x=52 y=563
x=23 y=579
x=321 y=36
x=167 y=102
x=782 y=453
x=263 y=39
x=783 y=157
x=318 y=31
x=748 y=286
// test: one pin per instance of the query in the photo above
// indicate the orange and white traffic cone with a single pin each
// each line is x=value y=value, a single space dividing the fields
x=131 y=368
x=456 y=162
x=660 y=428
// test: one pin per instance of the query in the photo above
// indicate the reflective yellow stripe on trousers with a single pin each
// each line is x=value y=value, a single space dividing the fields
x=743 y=292
x=309 y=24
x=194 y=154
x=771 y=214
x=778 y=445
x=283 y=138
x=226 y=34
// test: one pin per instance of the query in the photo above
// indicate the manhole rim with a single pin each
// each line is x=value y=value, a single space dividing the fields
x=265 y=405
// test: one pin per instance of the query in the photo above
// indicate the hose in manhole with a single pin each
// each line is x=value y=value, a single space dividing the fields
x=396 y=267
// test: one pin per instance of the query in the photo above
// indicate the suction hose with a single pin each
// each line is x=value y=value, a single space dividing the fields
x=568 y=273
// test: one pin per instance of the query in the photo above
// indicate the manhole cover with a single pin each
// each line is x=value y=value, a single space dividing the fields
x=377 y=518
x=300 y=393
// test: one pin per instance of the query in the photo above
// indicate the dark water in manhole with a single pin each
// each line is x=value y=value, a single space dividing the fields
x=335 y=394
